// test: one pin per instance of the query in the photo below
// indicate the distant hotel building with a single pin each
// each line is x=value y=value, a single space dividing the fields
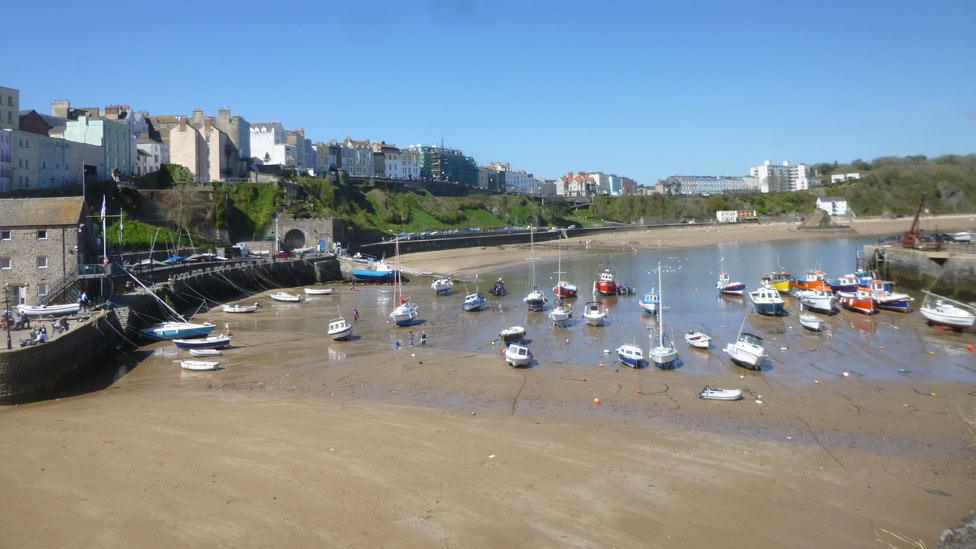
x=841 y=177
x=707 y=184
x=785 y=177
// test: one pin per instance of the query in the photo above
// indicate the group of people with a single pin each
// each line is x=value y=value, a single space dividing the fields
x=9 y=320
x=413 y=336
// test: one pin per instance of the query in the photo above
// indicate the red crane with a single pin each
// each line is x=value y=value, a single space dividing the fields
x=912 y=238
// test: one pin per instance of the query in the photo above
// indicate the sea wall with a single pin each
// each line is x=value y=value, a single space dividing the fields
x=950 y=274
x=34 y=373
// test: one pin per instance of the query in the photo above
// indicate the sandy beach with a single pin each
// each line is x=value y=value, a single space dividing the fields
x=468 y=262
x=304 y=441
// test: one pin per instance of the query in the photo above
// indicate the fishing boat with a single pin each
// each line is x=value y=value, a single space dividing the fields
x=884 y=296
x=650 y=302
x=563 y=289
x=631 y=355
x=498 y=290
x=813 y=281
x=204 y=352
x=213 y=342
x=512 y=333
x=319 y=291
x=747 y=351
x=442 y=286
x=176 y=330
x=859 y=301
x=473 y=302
x=697 y=340
x=767 y=301
x=843 y=283
x=605 y=285
x=594 y=314
x=376 y=271
x=946 y=312
x=781 y=281
x=235 y=308
x=518 y=355
x=714 y=393
x=725 y=285
x=663 y=355
x=339 y=329
x=405 y=312
x=561 y=313
x=817 y=300
x=286 y=297
x=49 y=310
x=199 y=365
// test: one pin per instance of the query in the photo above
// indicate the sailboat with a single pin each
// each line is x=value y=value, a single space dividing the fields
x=562 y=288
x=405 y=312
x=662 y=355
x=171 y=329
x=536 y=299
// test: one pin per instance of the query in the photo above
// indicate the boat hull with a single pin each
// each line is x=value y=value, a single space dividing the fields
x=564 y=291
x=858 y=305
x=664 y=358
x=631 y=361
x=372 y=276
x=164 y=332
x=48 y=310
x=606 y=288
x=899 y=304
x=770 y=309
x=952 y=321
x=733 y=289
x=203 y=343
x=473 y=306
x=341 y=335
x=781 y=286
x=744 y=358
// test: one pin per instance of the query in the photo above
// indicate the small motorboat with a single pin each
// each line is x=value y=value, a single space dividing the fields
x=843 y=283
x=565 y=290
x=781 y=281
x=442 y=286
x=49 y=310
x=714 y=393
x=378 y=271
x=561 y=313
x=518 y=355
x=513 y=333
x=946 y=312
x=473 y=302
x=199 y=365
x=859 y=301
x=536 y=300
x=698 y=340
x=650 y=302
x=631 y=355
x=204 y=352
x=235 y=308
x=319 y=291
x=213 y=342
x=817 y=300
x=594 y=313
x=726 y=286
x=767 y=301
x=286 y=297
x=176 y=330
x=963 y=237
x=811 y=322
x=813 y=281
x=605 y=284
x=882 y=291
x=339 y=329
x=747 y=351
x=498 y=290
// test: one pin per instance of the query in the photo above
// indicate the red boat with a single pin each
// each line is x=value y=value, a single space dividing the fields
x=564 y=289
x=814 y=280
x=859 y=302
x=606 y=285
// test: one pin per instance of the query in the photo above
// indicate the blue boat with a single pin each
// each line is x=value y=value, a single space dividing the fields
x=631 y=355
x=650 y=302
x=380 y=271
x=767 y=301
x=176 y=330
x=473 y=302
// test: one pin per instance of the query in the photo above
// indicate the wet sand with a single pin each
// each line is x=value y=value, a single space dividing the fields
x=468 y=262
x=301 y=440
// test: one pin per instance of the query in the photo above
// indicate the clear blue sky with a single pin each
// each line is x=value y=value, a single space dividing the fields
x=639 y=89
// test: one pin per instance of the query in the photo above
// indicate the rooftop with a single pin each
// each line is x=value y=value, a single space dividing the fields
x=40 y=212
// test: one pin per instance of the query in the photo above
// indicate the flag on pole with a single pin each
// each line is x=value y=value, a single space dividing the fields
x=103 y=207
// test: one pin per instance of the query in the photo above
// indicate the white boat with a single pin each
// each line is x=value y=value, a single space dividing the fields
x=235 y=308
x=767 y=301
x=199 y=365
x=442 y=286
x=650 y=302
x=725 y=285
x=339 y=329
x=518 y=355
x=319 y=291
x=204 y=352
x=946 y=312
x=697 y=340
x=964 y=237
x=561 y=313
x=663 y=355
x=631 y=355
x=747 y=351
x=286 y=297
x=811 y=322
x=817 y=300
x=473 y=302
x=48 y=310
x=513 y=333
x=594 y=313
x=714 y=393
x=405 y=312
x=536 y=299
x=211 y=342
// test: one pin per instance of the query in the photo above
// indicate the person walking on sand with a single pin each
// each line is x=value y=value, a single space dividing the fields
x=423 y=339
x=355 y=314
x=411 y=338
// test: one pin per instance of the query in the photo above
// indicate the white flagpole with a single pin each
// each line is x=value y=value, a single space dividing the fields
x=104 y=235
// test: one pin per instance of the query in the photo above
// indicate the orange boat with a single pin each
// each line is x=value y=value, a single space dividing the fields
x=814 y=280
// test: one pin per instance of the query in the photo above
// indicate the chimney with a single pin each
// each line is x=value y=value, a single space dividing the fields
x=182 y=125
x=60 y=108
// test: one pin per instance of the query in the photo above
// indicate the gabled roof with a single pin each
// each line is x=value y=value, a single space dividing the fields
x=40 y=212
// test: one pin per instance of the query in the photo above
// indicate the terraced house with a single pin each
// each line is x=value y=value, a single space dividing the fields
x=42 y=241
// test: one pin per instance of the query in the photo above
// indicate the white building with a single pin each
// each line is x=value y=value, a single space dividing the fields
x=114 y=137
x=269 y=145
x=400 y=163
x=833 y=205
x=153 y=155
x=841 y=177
x=785 y=177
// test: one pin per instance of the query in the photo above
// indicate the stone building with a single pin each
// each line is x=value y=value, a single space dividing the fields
x=42 y=241
x=9 y=106
x=205 y=151
x=234 y=144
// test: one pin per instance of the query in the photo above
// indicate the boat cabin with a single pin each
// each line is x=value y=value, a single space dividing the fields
x=606 y=276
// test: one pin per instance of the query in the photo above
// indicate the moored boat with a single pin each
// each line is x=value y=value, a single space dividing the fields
x=236 y=308
x=473 y=302
x=813 y=281
x=726 y=286
x=811 y=322
x=697 y=340
x=319 y=291
x=817 y=300
x=378 y=271
x=650 y=302
x=781 y=281
x=565 y=290
x=518 y=355
x=176 y=330
x=405 y=312
x=946 y=312
x=767 y=301
x=204 y=352
x=594 y=314
x=498 y=290
x=843 y=283
x=286 y=297
x=631 y=355
x=199 y=365
x=213 y=342
x=49 y=310
x=560 y=313
x=339 y=329
x=885 y=298
x=663 y=355
x=859 y=301
x=442 y=286
x=606 y=284
x=512 y=333
x=714 y=393
x=536 y=300
x=747 y=351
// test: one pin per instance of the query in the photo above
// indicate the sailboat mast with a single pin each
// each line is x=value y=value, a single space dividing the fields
x=660 y=305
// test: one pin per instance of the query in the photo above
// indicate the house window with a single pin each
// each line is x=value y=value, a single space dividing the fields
x=4 y=262
x=42 y=262
x=4 y=235
x=41 y=290
x=42 y=234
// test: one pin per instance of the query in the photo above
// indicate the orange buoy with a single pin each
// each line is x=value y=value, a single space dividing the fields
x=969 y=347
x=596 y=402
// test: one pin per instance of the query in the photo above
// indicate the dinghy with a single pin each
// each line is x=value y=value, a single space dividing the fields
x=714 y=393
x=286 y=297
x=513 y=333
x=518 y=355
x=213 y=342
x=241 y=308
x=442 y=286
x=946 y=312
x=698 y=340
x=199 y=365
x=631 y=355
x=811 y=323
x=319 y=291
x=48 y=310
x=594 y=313
x=204 y=352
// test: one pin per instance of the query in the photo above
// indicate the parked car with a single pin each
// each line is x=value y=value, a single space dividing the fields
x=284 y=254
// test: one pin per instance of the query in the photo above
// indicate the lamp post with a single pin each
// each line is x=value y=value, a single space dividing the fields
x=6 y=307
